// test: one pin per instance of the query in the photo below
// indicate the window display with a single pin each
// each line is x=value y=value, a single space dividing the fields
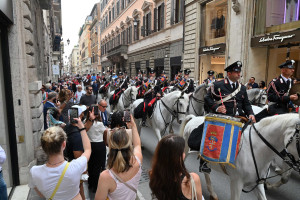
x=214 y=16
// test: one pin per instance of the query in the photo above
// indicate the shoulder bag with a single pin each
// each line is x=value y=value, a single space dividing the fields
x=59 y=181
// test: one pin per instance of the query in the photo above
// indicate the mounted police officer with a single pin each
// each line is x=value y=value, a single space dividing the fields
x=152 y=93
x=228 y=97
x=278 y=90
x=121 y=86
x=210 y=79
x=189 y=82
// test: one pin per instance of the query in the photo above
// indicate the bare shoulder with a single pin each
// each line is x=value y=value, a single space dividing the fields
x=105 y=175
x=195 y=177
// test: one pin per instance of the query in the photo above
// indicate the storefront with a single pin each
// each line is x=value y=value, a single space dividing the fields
x=213 y=38
x=275 y=30
x=7 y=122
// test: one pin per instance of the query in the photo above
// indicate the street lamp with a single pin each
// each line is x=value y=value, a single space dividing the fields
x=135 y=22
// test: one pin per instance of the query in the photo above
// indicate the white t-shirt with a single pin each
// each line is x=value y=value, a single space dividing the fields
x=46 y=178
x=96 y=131
x=78 y=95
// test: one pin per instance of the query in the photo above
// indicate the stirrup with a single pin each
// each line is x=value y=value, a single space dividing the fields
x=204 y=168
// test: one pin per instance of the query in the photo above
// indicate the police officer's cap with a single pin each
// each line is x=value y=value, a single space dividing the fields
x=210 y=72
x=120 y=73
x=125 y=72
x=187 y=71
x=234 y=67
x=288 y=64
x=180 y=71
x=142 y=71
x=151 y=71
x=139 y=71
x=163 y=72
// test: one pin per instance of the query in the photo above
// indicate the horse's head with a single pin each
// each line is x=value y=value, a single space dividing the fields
x=180 y=105
x=133 y=93
x=200 y=91
x=263 y=97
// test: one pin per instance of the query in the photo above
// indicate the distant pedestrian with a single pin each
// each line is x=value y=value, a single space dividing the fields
x=169 y=179
x=3 y=188
x=262 y=85
x=251 y=84
x=79 y=93
x=45 y=178
x=88 y=99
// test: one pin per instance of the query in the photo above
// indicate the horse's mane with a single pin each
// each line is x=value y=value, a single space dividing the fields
x=287 y=119
x=254 y=91
x=199 y=87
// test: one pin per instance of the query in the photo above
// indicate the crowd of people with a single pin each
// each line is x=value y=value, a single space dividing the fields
x=82 y=137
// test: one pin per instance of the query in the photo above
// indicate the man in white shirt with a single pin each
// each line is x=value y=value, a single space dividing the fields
x=79 y=93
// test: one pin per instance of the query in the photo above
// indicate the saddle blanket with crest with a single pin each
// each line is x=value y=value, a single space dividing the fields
x=220 y=140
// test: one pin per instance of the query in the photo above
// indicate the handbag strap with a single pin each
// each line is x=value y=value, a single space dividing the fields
x=59 y=181
x=119 y=179
x=194 y=192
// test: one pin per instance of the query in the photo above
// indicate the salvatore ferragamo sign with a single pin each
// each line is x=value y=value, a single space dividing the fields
x=276 y=38
x=219 y=48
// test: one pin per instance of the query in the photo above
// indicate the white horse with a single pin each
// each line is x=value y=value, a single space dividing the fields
x=173 y=104
x=257 y=97
x=277 y=130
x=127 y=98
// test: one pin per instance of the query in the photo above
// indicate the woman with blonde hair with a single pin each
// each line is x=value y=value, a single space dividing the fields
x=120 y=181
x=169 y=179
x=59 y=179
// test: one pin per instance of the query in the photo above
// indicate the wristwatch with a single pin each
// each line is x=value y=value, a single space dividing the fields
x=82 y=129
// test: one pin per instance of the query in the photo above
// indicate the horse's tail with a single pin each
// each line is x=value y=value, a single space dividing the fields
x=183 y=124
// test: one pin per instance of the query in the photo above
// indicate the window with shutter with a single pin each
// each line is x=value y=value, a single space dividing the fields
x=118 y=8
x=172 y=11
x=113 y=13
x=149 y=23
x=156 y=24
x=162 y=18
x=143 y=27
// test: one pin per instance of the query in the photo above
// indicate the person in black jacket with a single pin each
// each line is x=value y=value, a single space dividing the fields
x=189 y=81
x=278 y=90
x=234 y=100
x=239 y=103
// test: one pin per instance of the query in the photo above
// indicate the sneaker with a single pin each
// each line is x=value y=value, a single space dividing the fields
x=204 y=168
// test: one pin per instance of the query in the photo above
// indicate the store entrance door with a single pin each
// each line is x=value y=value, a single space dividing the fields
x=277 y=56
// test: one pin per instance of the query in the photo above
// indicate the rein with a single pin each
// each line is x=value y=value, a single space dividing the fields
x=197 y=101
x=288 y=158
x=174 y=113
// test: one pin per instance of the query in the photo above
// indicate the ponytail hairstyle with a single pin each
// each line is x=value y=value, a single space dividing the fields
x=52 y=140
x=120 y=150
x=168 y=168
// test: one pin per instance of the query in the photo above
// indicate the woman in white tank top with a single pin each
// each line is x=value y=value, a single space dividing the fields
x=120 y=181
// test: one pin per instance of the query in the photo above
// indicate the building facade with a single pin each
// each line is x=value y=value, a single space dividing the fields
x=261 y=34
x=26 y=53
x=94 y=36
x=85 y=47
x=142 y=35
x=74 y=60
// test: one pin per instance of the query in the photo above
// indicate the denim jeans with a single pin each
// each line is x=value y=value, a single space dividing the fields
x=3 y=189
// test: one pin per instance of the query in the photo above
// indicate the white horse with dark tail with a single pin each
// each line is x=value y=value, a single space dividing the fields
x=171 y=105
x=276 y=130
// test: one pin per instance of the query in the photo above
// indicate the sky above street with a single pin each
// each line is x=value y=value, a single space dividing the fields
x=74 y=13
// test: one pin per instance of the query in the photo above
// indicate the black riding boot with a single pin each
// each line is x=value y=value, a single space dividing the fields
x=203 y=167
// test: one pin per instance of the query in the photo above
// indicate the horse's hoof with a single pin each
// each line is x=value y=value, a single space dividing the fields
x=212 y=198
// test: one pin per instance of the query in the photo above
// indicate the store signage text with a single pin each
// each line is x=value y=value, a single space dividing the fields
x=211 y=49
x=276 y=38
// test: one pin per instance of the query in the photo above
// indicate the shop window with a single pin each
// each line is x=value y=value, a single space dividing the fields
x=214 y=16
x=276 y=15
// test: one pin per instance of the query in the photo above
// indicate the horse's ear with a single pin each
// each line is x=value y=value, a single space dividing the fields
x=182 y=93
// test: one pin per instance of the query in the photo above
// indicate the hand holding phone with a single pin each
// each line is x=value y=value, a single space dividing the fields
x=73 y=113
